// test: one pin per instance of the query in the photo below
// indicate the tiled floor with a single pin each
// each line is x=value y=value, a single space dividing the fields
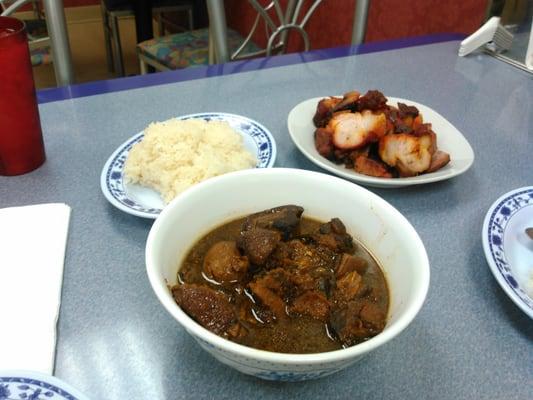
x=87 y=45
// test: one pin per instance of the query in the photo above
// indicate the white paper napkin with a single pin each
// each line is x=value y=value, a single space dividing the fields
x=32 y=253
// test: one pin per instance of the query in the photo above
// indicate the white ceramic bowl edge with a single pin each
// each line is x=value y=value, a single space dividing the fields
x=370 y=219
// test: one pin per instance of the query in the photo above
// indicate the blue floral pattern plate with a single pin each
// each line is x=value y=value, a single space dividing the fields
x=35 y=386
x=508 y=249
x=146 y=202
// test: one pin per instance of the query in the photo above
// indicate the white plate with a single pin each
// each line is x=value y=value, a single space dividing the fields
x=509 y=251
x=449 y=139
x=145 y=202
x=35 y=385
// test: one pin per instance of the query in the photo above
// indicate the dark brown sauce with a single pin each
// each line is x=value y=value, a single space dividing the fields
x=296 y=333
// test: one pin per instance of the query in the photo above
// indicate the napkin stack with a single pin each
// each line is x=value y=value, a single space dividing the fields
x=32 y=253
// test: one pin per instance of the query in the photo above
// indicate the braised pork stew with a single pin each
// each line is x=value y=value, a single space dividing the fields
x=278 y=281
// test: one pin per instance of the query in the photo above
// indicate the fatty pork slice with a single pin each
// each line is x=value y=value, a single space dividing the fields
x=410 y=154
x=348 y=102
x=372 y=100
x=324 y=143
x=352 y=131
x=367 y=166
x=438 y=160
x=324 y=110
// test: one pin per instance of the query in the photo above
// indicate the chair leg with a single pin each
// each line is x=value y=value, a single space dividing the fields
x=190 y=18
x=119 y=65
x=160 y=25
x=143 y=66
x=210 y=49
x=36 y=9
x=107 y=39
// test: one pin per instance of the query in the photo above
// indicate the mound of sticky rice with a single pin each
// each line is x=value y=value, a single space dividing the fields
x=176 y=154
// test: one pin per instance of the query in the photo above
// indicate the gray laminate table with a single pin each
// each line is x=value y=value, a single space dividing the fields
x=115 y=341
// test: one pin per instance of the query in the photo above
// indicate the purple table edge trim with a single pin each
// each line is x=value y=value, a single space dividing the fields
x=139 y=81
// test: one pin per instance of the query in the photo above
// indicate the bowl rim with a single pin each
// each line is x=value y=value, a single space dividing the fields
x=199 y=332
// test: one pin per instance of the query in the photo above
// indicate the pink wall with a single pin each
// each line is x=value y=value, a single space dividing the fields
x=77 y=3
x=331 y=24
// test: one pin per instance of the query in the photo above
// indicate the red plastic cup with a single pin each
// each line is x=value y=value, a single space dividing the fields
x=21 y=139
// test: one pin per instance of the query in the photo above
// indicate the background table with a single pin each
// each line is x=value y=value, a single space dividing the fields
x=117 y=342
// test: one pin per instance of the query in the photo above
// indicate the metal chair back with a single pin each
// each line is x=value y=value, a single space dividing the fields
x=278 y=23
x=8 y=7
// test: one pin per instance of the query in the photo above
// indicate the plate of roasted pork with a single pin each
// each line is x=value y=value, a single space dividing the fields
x=378 y=141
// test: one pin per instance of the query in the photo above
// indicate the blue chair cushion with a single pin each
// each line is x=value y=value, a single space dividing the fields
x=41 y=56
x=187 y=49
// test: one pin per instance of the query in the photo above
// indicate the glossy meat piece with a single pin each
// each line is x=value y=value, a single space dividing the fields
x=368 y=166
x=301 y=286
x=347 y=325
x=348 y=102
x=333 y=236
x=406 y=110
x=269 y=290
x=349 y=263
x=306 y=257
x=372 y=100
x=309 y=264
x=304 y=281
x=356 y=130
x=334 y=225
x=425 y=129
x=372 y=317
x=403 y=122
x=357 y=321
x=236 y=331
x=324 y=110
x=347 y=287
x=312 y=303
x=258 y=243
x=324 y=142
x=410 y=154
x=438 y=160
x=209 y=308
x=284 y=219
x=224 y=263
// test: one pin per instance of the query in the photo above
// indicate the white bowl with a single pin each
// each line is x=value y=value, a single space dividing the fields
x=370 y=220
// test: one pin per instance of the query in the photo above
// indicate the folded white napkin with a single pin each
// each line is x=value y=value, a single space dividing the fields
x=32 y=253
